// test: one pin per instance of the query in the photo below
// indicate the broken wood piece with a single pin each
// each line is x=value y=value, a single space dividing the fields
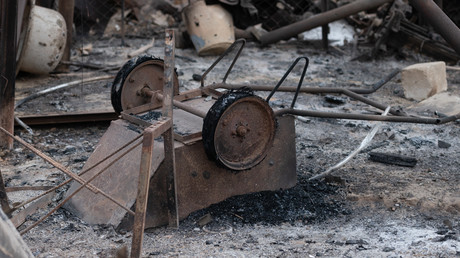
x=393 y=159
x=142 y=49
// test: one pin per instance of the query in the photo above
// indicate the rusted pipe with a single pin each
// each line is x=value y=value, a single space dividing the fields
x=81 y=173
x=398 y=119
x=59 y=166
x=78 y=190
x=316 y=90
x=320 y=19
x=440 y=21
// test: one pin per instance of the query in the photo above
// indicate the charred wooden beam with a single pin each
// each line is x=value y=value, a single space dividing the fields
x=4 y=205
x=393 y=159
x=8 y=20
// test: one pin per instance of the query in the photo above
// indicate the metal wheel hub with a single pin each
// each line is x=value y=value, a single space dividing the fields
x=136 y=79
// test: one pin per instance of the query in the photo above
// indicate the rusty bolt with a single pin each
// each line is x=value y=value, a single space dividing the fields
x=241 y=130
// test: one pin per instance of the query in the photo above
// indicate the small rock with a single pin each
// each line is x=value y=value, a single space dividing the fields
x=443 y=144
x=416 y=243
x=442 y=231
x=52 y=151
x=80 y=159
x=69 y=149
x=208 y=242
x=445 y=238
x=418 y=142
x=404 y=131
x=335 y=242
x=388 y=249
x=335 y=99
x=196 y=77
x=448 y=223
x=356 y=242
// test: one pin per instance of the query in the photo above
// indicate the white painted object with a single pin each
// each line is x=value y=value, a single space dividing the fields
x=44 y=45
x=340 y=33
x=424 y=80
x=210 y=28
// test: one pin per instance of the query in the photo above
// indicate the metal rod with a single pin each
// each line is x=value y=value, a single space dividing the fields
x=373 y=89
x=320 y=19
x=378 y=84
x=48 y=159
x=313 y=90
x=229 y=49
x=78 y=190
x=29 y=188
x=81 y=173
x=62 y=86
x=440 y=21
x=399 y=119
x=304 y=71
x=63 y=169
x=184 y=106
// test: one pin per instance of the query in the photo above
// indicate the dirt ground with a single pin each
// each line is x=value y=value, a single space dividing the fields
x=366 y=209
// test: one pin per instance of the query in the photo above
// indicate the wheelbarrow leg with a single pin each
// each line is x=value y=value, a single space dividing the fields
x=142 y=192
x=165 y=128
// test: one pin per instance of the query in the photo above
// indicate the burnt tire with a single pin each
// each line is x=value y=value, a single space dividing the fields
x=225 y=144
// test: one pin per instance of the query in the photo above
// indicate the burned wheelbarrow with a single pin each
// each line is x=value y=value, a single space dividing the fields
x=224 y=141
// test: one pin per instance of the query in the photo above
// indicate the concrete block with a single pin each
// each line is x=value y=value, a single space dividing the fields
x=424 y=80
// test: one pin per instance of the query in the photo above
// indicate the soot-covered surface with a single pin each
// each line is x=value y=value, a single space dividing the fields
x=308 y=201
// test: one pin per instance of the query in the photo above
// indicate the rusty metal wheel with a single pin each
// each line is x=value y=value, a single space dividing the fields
x=238 y=130
x=136 y=74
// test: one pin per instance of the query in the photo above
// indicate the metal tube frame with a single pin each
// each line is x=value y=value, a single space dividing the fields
x=355 y=93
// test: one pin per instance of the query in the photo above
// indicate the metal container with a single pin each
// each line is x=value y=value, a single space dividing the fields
x=210 y=28
x=44 y=41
